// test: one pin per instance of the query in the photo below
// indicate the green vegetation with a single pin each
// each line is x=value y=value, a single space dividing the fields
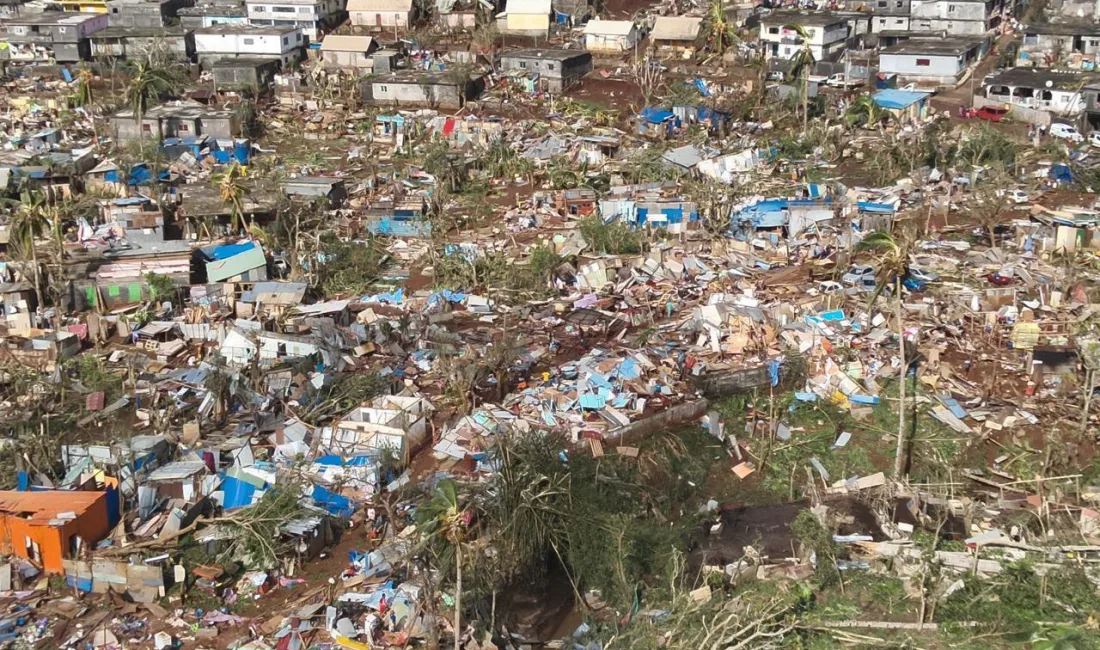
x=350 y=267
x=1016 y=602
x=612 y=238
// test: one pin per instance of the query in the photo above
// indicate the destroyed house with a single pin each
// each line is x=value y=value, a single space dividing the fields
x=138 y=42
x=551 y=70
x=649 y=210
x=241 y=346
x=270 y=298
x=310 y=188
x=18 y=301
x=243 y=262
x=176 y=119
x=1047 y=44
x=51 y=36
x=406 y=219
x=183 y=479
x=141 y=220
x=40 y=349
x=128 y=458
x=144 y=13
x=48 y=526
x=395 y=423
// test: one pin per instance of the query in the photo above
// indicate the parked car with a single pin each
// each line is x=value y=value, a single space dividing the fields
x=992 y=113
x=828 y=286
x=1018 y=196
x=1094 y=138
x=857 y=272
x=1000 y=280
x=776 y=75
x=1066 y=132
x=922 y=275
x=838 y=80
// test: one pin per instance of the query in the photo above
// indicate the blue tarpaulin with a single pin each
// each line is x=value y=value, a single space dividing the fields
x=655 y=115
x=873 y=206
x=225 y=251
x=332 y=502
x=898 y=99
x=238 y=493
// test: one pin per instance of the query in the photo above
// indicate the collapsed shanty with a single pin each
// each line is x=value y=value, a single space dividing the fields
x=295 y=295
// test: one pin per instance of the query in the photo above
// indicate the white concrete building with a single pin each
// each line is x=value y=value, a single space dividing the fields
x=610 y=36
x=526 y=17
x=827 y=33
x=313 y=17
x=956 y=17
x=242 y=41
x=1059 y=93
x=940 y=61
x=381 y=14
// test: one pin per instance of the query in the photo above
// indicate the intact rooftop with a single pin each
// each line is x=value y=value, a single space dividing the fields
x=934 y=46
x=1034 y=78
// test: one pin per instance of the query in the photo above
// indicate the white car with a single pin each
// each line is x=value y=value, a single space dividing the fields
x=828 y=286
x=1066 y=132
x=922 y=275
x=857 y=272
x=1094 y=138
x=1018 y=196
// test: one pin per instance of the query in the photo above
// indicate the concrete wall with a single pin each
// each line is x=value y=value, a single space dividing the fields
x=734 y=382
x=891 y=22
x=381 y=19
x=533 y=24
x=940 y=67
x=413 y=94
x=338 y=59
x=1016 y=112
x=673 y=417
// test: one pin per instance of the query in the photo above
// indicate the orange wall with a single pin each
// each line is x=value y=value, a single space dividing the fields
x=53 y=542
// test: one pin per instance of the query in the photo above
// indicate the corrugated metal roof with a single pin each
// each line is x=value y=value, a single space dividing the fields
x=609 y=27
x=42 y=506
x=178 y=470
x=676 y=28
x=339 y=43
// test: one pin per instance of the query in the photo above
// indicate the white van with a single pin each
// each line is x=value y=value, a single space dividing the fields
x=1066 y=132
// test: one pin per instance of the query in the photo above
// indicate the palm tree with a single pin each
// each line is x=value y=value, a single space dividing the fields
x=232 y=193
x=446 y=521
x=801 y=64
x=84 y=97
x=865 y=111
x=893 y=264
x=148 y=85
x=29 y=224
x=719 y=30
